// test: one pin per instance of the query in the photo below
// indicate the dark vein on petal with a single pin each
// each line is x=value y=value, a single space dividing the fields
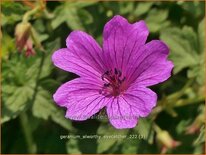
x=115 y=53
x=97 y=105
x=83 y=59
x=99 y=67
x=92 y=73
x=112 y=107
x=143 y=91
x=132 y=50
x=100 y=58
x=123 y=52
x=130 y=106
x=76 y=101
x=87 y=104
x=136 y=68
x=81 y=83
x=119 y=109
x=139 y=99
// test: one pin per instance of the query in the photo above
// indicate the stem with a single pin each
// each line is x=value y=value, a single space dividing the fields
x=27 y=133
x=183 y=102
x=157 y=128
x=37 y=78
x=178 y=94
x=27 y=15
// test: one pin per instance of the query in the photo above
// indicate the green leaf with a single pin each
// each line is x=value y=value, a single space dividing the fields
x=130 y=146
x=182 y=53
x=201 y=36
x=142 y=8
x=73 y=15
x=44 y=108
x=187 y=50
x=15 y=101
x=72 y=147
x=11 y=12
x=9 y=8
x=182 y=125
x=107 y=141
x=196 y=8
x=155 y=24
x=144 y=129
x=19 y=82
x=125 y=7
x=201 y=138
x=9 y=46
x=17 y=88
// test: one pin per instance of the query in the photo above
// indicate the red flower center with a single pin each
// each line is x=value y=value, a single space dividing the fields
x=113 y=82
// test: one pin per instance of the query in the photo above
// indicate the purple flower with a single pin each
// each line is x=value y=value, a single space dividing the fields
x=115 y=76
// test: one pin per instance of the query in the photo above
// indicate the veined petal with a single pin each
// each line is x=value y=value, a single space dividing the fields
x=124 y=111
x=121 y=39
x=120 y=113
x=150 y=65
x=142 y=99
x=68 y=61
x=81 y=98
x=86 y=49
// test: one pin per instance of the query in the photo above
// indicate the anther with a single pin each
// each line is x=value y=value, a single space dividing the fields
x=123 y=79
x=115 y=71
x=106 y=84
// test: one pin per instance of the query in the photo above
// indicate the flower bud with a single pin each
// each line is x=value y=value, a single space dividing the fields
x=22 y=34
x=196 y=125
x=167 y=142
x=29 y=49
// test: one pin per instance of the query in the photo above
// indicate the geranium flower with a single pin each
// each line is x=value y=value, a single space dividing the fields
x=115 y=76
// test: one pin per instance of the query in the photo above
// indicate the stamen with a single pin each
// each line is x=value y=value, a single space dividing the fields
x=112 y=82
x=115 y=71
x=106 y=84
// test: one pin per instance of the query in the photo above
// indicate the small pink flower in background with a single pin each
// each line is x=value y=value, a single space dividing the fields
x=115 y=76
x=23 y=40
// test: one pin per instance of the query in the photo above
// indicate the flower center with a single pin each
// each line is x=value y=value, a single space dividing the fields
x=113 y=82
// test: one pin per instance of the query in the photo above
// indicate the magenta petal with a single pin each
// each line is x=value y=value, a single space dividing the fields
x=124 y=111
x=150 y=65
x=121 y=39
x=84 y=47
x=142 y=100
x=66 y=60
x=120 y=113
x=81 y=98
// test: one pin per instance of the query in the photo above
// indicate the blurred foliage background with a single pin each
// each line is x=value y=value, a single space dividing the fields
x=32 y=123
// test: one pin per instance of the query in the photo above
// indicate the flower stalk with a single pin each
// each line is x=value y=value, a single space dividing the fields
x=28 y=14
x=32 y=148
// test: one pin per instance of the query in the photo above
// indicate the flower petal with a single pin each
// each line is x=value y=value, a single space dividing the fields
x=66 y=60
x=141 y=99
x=150 y=65
x=81 y=98
x=121 y=39
x=86 y=49
x=124 y=111
x=120 y=113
